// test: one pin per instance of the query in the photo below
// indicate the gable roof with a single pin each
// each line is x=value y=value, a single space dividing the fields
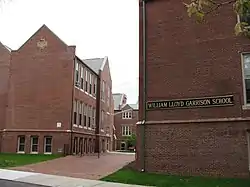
x=133 y=106
x=41 y=28
x=96 y=64
x=118 y=97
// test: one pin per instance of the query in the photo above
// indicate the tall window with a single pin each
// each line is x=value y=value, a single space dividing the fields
x=94 y=87
x=102 y=119
x=108 y=96
x=246 y=60
x=76 y=71
x=86 y=81
x=48 y=144
x=126 y=131
x=34 y=144
x=75 y=112
x=21 y=144
x=90 y=83
x=89 y=116
x=80 y=113
x=103 y=90
x=93 y=117
x=127 y=115
x=82 y=78
x=85 y=115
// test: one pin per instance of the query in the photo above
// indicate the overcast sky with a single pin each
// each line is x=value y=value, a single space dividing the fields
x=98 y=28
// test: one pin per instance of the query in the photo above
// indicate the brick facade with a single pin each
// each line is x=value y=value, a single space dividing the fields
x=45 y=99
x=121 y=124
x=190 y=60
x=125 y=119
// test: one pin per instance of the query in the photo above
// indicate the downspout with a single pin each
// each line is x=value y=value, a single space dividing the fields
x=72 y=110
x=144 y=116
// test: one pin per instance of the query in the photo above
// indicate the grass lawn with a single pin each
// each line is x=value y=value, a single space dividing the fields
x=129 y=176
x=12 y=160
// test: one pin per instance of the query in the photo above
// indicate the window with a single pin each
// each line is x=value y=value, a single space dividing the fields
x=80 y=113
x=85 y=115
x=93 y=117
x=90 y=83
x=246 y=61
x=102 y=119
x=48 y=144
x=126 y=131
x=75 y=112
x=94 y=88
x=127 y=115
x=86 y=81
x=103 y=90
x=82 y=78
x=108 y=100
x=76 y=71
x=89 y=116
x=21 y=144
x=34 y=144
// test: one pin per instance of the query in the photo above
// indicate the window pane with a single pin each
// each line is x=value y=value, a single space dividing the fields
x=247 y=66
x=34 y=148
x=48 y=140
x=21 y=148
x=48 y=149
x=21 y=140
x=34 y=140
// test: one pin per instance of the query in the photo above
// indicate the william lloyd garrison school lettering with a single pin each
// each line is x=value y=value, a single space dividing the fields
x=192 y=103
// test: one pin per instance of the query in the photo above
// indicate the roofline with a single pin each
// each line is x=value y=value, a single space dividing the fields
x=36 y=33
x=86 y=65
x=104 y=62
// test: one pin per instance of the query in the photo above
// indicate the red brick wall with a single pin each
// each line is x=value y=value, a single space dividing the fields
x=107 y=123
x=119 y=122
x=10 y=140
x=186 y=60
x=40 y=93
x=4 y=77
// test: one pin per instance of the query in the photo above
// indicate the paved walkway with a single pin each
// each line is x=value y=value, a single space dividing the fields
x=52 y=180
x=86 y=167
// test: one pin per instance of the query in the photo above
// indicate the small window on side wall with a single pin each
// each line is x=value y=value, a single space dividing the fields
x=34 y=144
x=48 y=145
x=21 y=144
x=246 y=67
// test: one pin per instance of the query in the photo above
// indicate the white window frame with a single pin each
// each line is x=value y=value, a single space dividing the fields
x=95 y=85
x=19 y=143
x=90 y=83
x=246 y=105
x=45 y=144
x=85 y=113
x=126 y=130
x=82 y=77
x=86 y=81
x=127 y=115
x=93 y=117
x=32 y=144
x=89 y=117
x=103 y=90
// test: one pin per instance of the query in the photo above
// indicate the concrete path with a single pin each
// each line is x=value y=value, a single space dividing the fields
x=54 y=181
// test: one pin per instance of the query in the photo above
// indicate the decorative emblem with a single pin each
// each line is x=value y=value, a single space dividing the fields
x=42 y=43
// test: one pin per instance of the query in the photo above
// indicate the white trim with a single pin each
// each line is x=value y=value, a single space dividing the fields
x=246 y=105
